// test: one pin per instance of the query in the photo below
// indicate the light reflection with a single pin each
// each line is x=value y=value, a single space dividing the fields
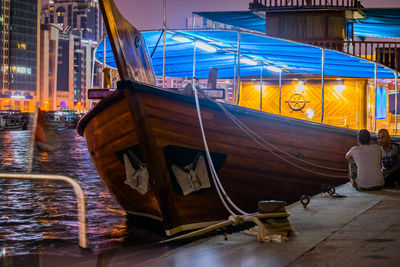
x=32 y=212
x=17 y=141
x=309 y=113
x=300 y=88
x=338 y=90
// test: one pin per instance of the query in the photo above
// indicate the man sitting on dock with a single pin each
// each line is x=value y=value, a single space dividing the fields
x=367 y=159
x=390 y=159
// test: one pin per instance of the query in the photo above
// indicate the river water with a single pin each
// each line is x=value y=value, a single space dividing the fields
x=35 y=215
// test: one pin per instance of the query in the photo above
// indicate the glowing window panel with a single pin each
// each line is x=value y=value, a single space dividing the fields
x=21 y=46
x=21 y=70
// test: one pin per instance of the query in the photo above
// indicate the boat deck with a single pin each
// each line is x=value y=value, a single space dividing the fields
x=361 y=229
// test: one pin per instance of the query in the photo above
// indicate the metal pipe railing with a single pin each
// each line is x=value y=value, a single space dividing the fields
x=80 y=198
x=263 y=4
x=385 y=53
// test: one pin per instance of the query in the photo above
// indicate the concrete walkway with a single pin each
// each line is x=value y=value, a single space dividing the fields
x=362 y=229
x=369 y=238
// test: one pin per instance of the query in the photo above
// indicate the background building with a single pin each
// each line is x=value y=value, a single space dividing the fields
x=19 y=53
x=57 y=65
x=82 y=19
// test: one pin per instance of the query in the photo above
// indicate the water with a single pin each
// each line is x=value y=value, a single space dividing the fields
x=35 y=215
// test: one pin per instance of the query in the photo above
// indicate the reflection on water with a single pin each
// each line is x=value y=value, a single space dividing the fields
x=36 y=214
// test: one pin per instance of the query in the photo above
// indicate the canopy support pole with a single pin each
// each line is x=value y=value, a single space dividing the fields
x=103 y=66
x=375 y=85
x=164 y=34
x=261 y=84
x=395 y=103
x=280 y=91
x=158 y=41
x=194 y=63
x=234 y=78
x=237 y=94
x=322 y=84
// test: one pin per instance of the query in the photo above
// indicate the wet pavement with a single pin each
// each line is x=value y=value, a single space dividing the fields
x=361 y=229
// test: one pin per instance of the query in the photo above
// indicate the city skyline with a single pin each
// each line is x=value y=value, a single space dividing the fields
x=138 y=13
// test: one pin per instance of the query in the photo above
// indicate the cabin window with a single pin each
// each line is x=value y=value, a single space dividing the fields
x=17 y=105
x=26 y=106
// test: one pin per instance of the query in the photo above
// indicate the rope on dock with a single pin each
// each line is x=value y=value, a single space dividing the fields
x=266 y=230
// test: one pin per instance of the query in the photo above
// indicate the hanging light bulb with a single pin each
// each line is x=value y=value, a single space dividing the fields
x=205 y=46
x=248 y=61
x=180 y=38
x=274 y=69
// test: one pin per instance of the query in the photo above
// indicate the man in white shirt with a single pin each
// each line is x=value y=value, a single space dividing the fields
x=368 y=160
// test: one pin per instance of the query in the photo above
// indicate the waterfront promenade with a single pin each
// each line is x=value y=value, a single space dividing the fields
x=361 y=229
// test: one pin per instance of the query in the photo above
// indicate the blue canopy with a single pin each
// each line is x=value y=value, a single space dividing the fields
x=109 y=56
x=240 y=19
x=377 y=22
x=289 y=56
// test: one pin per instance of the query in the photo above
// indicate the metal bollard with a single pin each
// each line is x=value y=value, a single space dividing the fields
x=305 y=200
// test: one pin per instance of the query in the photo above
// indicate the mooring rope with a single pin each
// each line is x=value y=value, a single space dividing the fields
x=251 y=134
x=255 y=137
x=220 y=189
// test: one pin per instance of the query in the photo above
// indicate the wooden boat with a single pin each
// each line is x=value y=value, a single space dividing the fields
x=142 y=128
x=12 y=120
x=59 y=120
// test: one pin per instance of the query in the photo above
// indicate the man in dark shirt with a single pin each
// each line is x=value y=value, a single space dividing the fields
x=390 y=159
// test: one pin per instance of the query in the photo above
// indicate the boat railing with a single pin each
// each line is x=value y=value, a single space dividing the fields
x=266 y=4
x=80 y=198
x=385 y=53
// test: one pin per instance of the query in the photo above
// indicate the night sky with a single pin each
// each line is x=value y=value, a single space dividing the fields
x=148 y=14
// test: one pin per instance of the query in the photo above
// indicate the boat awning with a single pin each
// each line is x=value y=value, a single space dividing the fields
x=240 y=19
x=108 y=56
x=289 y=56
x=378 y=22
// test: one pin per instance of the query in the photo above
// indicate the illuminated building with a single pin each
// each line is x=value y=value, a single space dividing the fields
x=57 y=64
x=82 y=19
x=19 y=53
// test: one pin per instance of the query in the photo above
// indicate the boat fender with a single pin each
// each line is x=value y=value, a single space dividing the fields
x=193 y=177
x=137 y=178
x=305 y=200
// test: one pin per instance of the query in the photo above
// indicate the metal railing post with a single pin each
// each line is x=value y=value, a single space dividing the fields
x=261 y=84
x=238 y=71
x=322 y=84
x=395 y=102
x=375 y=90
x=80 y=198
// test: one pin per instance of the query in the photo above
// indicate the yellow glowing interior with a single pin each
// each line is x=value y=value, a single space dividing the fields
x=348 y=103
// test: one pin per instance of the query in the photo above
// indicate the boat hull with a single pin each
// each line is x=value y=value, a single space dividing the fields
x=162 y=128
